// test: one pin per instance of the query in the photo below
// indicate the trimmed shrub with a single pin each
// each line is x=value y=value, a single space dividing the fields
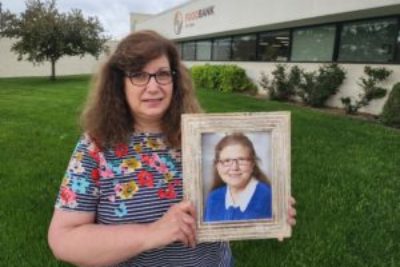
x=223 y=78
x=317 y=87
x=282 y=86
x=206 y=76
x=370 y=87
x=391 y=111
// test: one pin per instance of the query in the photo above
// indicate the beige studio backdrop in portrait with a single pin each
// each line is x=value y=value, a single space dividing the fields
x=268 y=136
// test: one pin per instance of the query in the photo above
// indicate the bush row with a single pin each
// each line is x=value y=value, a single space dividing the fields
x=314 y=87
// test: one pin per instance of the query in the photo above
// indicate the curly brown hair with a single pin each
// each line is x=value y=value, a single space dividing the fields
x=237 y=139
x=107 y=118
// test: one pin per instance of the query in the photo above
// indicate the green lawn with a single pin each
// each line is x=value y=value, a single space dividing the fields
x=345 y=178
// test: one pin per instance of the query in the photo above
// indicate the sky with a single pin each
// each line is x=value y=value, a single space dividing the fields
x=113 y=14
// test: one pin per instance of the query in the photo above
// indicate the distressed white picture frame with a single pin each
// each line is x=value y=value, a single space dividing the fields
x=270 y=134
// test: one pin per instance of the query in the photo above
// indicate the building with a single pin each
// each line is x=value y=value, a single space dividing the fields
x=258 y=34
x=68 y=65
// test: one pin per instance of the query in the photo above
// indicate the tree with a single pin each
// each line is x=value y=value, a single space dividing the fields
x=44 y=34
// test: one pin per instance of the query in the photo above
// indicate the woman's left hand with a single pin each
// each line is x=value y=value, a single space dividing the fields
x=291 y=220
x=291 y=212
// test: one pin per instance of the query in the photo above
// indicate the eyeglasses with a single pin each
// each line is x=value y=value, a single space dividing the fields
x=243 y=162
x=141 y=78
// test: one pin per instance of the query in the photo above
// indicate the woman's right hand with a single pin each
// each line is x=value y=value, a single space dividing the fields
x=177 y=224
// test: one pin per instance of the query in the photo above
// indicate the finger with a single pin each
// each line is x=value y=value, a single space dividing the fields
x=188 y=207
x=189 y=234
x=192 y=212
x=189 y=220
x=182 y=237
x=291 y=221
x=184 y=203
x=188 y=217
x=280 y=238
x=292 y=212
x=191 y=223
x=292 y=201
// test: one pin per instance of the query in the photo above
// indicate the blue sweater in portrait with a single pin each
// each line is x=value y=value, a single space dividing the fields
x=260 y=205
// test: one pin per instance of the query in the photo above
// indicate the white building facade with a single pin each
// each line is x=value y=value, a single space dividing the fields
x=68 y=65
x=258 y=34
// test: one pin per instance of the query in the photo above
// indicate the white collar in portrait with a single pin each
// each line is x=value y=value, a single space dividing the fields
x=244 y=196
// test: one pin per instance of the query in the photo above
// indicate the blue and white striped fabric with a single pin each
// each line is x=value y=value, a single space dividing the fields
x=135 y=183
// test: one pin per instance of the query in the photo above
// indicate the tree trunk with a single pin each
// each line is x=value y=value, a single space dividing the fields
x=53 y=70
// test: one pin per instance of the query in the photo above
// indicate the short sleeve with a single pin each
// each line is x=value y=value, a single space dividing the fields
x=79 y=190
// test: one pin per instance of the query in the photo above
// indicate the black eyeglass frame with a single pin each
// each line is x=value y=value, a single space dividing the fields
x=150 y=75
x=239 y=161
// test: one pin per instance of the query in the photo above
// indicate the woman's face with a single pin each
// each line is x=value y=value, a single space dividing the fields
x=235 y=166
x=149 y=102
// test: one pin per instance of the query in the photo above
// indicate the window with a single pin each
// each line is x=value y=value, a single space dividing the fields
x=179 y=48
x=222 y=49
x=203 y=49
x=398 y=47
x=244 y=47
x=189 y=51
x=368 y=41
x=274 y=46
x=313 y=44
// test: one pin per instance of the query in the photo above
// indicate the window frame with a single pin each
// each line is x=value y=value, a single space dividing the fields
x=335 y=54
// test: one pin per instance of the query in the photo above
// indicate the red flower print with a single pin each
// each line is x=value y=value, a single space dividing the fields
x=146 y=179
x=96 y=176
x=168 y=193
x=95 y=154
x=67 y=196
x=121 y=150
x=147 y=159
x=176 y=182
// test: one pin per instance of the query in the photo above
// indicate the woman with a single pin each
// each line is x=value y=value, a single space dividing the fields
x=120 y=201
x=241 y=191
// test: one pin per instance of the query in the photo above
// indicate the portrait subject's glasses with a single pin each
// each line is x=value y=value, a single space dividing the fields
x=243 y=162
x=141 y=78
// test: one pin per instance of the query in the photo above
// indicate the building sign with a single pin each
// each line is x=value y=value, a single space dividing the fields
x=178 y=22
x=190 y=18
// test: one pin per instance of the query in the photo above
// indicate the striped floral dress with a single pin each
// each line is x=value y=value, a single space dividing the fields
x=135 y=183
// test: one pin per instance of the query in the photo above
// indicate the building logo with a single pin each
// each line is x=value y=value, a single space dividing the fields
x=190 y=18
x=178 y=22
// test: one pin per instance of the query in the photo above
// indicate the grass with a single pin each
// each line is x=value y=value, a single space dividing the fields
x=345 y=178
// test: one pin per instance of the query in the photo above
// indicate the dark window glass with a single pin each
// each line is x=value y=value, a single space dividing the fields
x=179 y=48
x=189 y=51
x=313 y=44
x=222 y=49
x=244 y=47
x=368 y=41
x=398 y=47
x=274 y=46
x=203 y=50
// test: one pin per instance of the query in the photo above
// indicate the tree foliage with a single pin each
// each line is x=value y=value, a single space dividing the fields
x=42 y=33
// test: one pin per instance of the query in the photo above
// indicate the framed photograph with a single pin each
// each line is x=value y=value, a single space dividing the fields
x=237 y=173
